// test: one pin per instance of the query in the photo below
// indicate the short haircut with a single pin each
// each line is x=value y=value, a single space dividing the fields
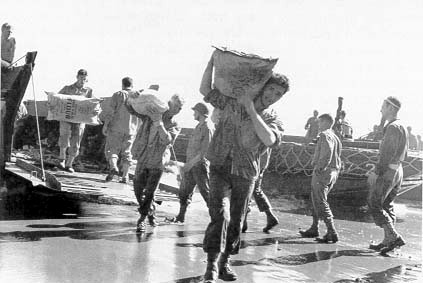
x=127 y=82
x=5 y=26
x=326 y=117
x=394 y=102
x=280 y=80
x=82 y=72
x=178 y=99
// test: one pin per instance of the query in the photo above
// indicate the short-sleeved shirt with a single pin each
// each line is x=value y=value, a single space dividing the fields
x=393 y=147
x=200 y=140
x=121 y=121
x=148 y=148
x=328 y=151
x=73 y=89
x=235 y=138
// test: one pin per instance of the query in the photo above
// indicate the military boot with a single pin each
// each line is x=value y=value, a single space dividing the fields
x=141 y=224
x=272 y=221
x=212 y=271
x=385 y=241
x=181 y=215
x=225 y=271
x=331 y=234
x=313 y=231
x=395 y=239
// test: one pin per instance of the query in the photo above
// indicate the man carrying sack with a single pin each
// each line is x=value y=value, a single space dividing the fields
x=244 y=132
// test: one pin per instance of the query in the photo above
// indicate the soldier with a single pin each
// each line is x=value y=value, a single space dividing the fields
x=196 y=169
x=327 y=164
x=413 y=144
x=245 y=130
x=154 y=138
x=120 y=128
x=8 y=46
x=312 y=127
x=387 y=178
x=346 y=128
x=71 y=133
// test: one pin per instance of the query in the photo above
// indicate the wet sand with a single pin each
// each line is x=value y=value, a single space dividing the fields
x=61 y=240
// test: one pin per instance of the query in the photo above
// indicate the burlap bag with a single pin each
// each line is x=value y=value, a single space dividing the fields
x=237 y=73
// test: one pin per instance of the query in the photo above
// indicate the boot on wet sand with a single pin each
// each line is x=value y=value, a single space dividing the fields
x=311 y=232
x=212 y=270
x=272 y=221
x=395 y=239
x=331 y=235
x=141 y=224
x=180 y=218
x=385 y=241
x=225 y=271
x=398 y=242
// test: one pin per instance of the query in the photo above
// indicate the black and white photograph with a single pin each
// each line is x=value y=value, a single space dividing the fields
x=159 y=141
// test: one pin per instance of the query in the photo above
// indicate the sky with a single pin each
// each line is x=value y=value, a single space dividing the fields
x=361 y=50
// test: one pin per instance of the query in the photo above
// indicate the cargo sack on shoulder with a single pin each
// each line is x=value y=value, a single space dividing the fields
x=237 y=73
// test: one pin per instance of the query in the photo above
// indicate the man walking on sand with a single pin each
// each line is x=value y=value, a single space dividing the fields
x=327 y=164
x=386 y=180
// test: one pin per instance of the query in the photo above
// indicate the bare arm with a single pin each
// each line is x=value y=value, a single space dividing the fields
x=263 y=131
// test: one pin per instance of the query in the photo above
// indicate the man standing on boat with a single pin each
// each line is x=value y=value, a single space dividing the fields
x=312 y=127
x=246 y=129
x=8 y=46
x=120 y=128
x=196 y=169
x=327 y=164
x=154 y=138
x=71 y=133
x=386 y=180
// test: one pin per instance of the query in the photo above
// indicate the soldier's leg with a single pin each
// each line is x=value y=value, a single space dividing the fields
x=395 y=239
x=75 y=144
x=65 y=134
x=219 y=209
x=185 y=194
x=326 y=182
x=242 y=190
x=140 y=181
x=126 y=157
x=313 y=231
x=112 y=150
x=264 y=205
x=200 y=173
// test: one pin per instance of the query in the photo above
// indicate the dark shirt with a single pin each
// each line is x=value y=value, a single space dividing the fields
x=235 y=139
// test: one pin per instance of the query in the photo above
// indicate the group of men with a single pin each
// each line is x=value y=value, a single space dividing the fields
x=226 y=161
x=343 y=128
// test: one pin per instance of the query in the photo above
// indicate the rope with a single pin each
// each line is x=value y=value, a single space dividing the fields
x=11 y=64
x=38 y=128
x=292 y=158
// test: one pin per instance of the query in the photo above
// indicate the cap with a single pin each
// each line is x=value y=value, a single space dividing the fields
x=82 y=72
x=201 y=108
